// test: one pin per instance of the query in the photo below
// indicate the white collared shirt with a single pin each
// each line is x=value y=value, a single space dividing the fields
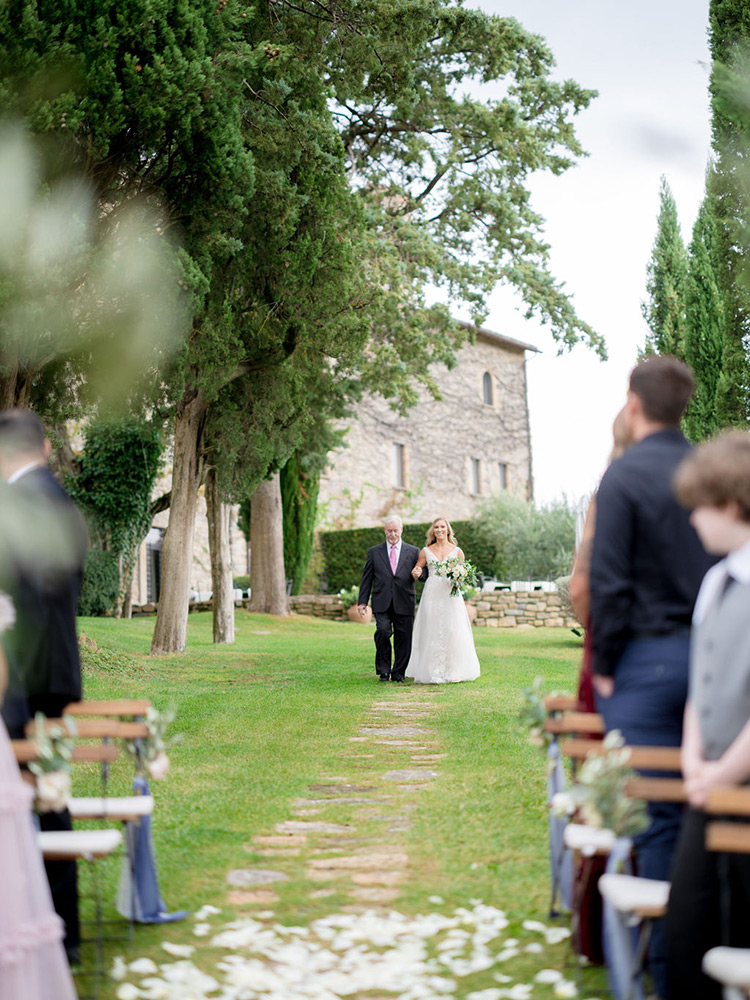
x=736 y=565
x=15 y=476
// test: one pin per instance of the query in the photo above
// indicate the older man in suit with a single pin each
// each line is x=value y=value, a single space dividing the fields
x=387 y=575
x=44 y=542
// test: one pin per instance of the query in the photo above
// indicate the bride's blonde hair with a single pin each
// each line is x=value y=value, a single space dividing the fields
x=431 y=531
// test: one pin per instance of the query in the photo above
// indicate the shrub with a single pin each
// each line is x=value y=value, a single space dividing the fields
x=101 y=584
x=529 y=543
x=241 y=582
x=344 y=552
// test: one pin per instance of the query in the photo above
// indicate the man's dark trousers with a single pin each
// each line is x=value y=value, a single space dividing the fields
x=400 y=627
x=647 y=707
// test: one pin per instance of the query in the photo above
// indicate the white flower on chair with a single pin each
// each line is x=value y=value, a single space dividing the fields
x=52 y=791
x=159 y=766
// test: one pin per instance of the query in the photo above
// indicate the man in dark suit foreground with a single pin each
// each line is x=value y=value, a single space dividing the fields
x=387 y=575
x=41 y=566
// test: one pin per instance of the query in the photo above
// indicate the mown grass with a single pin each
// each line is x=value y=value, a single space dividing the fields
x=263 y=719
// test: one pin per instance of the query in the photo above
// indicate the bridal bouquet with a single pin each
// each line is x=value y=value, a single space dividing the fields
x=460 y=575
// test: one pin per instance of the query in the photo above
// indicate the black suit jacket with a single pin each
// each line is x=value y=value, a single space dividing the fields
x=386 y=587
x=46 y=570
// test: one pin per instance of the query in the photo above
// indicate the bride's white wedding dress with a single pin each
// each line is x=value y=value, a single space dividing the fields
x=442 y=645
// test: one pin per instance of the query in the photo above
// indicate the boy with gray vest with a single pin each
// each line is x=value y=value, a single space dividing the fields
x=715 y=482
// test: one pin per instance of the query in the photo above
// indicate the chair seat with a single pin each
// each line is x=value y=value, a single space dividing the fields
x=644 y=897
x=730 y=966
x=120 y=808
x=67 y=845
x=588 y=839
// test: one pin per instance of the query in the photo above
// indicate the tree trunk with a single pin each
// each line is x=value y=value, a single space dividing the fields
x=218 y=515
x=267 y=576
x=170 y=631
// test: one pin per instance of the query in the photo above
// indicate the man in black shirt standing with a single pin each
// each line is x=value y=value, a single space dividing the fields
x=646 y=569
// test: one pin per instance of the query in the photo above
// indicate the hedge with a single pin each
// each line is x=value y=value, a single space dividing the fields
x=101 y=584
x=344 y=552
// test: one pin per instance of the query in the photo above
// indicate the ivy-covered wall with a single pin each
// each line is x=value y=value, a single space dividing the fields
x=344 y=552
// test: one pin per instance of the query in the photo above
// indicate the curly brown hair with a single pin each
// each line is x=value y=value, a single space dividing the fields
x=717 y=473
x=431 y=531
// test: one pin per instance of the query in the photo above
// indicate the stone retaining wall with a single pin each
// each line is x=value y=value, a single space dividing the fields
x=495 y=609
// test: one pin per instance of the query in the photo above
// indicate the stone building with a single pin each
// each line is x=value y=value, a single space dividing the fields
x=443 y=457
x=446 y=454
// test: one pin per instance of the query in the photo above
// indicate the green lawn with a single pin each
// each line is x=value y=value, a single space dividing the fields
x=265 y=718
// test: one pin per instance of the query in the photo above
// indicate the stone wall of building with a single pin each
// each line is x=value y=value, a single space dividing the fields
x=443 y=444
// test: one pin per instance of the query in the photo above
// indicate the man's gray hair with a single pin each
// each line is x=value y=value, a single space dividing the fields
x=393 y=519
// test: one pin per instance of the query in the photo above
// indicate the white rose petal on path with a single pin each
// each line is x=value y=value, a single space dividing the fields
x=206 y=911
x=437 y=900
x=535 y=948
x=555 y=935
x=500 y=977
x=566 y=988
x=549 y=976
x=490 y=994
x=202 y=930
x=143 y=966
x=119 y=969
x=521 y=991
x=534 y=925
x=178 y=950
x=126 y=991
x=506 y=954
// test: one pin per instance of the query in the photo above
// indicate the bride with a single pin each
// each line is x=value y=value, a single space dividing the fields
x=443 y=646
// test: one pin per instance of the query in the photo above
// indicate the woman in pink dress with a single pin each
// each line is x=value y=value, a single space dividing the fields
x=33 y=965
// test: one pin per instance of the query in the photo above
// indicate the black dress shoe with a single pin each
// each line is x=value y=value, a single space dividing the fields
x=398 y=680
x=382 y=677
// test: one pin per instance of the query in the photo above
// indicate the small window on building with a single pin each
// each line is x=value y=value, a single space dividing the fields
x=475 y=476
x=399 y=471
x=487 y=389
x=502 y=475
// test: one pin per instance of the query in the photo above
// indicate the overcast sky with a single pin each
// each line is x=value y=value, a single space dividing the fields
x=649 y=62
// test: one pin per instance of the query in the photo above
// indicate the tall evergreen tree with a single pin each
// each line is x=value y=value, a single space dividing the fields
x=704 y=327
x=664 y=311
x=729 y=38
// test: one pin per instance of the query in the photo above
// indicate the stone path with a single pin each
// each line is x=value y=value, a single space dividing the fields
x=391 y=759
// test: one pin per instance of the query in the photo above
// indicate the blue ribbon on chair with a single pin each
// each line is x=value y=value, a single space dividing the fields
x=561 y=859
x=619 y=940
x=138 y=896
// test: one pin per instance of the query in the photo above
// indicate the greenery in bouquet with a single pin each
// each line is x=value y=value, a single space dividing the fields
x=533 y=715
x=460 y=574
x=52 y=769
x=600 y=798
x=349 y=597
x=150 y=753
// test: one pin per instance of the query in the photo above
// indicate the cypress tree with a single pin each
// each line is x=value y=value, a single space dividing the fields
x=299 y=498
x=729 y=36
x=704 y=327
x=664 y=311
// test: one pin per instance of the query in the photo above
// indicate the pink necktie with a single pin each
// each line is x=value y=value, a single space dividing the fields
x=393 y=558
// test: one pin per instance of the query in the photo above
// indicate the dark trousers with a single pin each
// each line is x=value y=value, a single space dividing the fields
x=709 y=905
x=647 y=707
x=388 y=624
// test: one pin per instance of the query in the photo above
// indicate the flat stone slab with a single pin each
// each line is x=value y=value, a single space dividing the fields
x=400 y=704
x=377 y=878
x=311 y=826
x=396 y=743
x=395 y=732
x=287 y=840
x=262 y=897
x=374 y=860
x=415 y=774
x=305 y=812
x=400 y=826
x=373 y=895
x=242 y=877
x=339 y=800
x=427 y=758
x=357 y=739
x=322 y=893
x=276 y=852
x=355 y=789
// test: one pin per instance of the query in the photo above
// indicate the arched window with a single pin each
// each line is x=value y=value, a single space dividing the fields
x=487 y=389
